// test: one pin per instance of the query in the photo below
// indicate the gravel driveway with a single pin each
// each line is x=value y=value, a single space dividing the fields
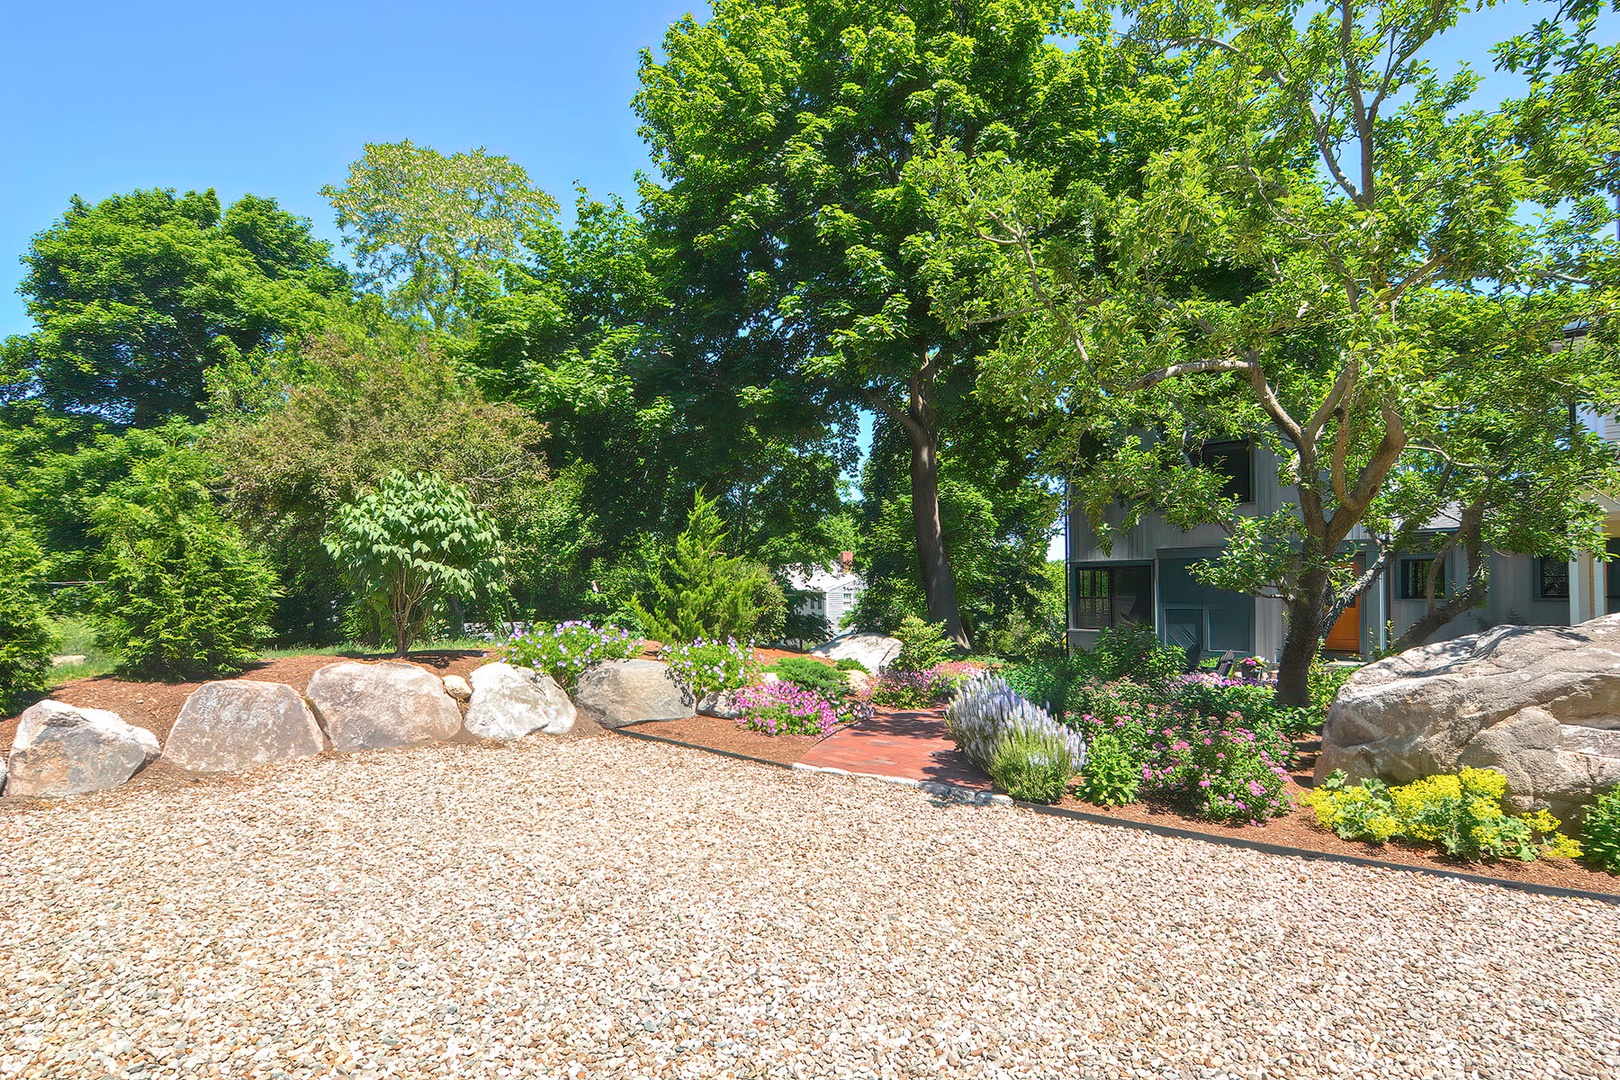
x=605 y=907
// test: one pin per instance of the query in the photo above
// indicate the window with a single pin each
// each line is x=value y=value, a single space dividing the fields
x=1413 y=583
x=1552 y=579
x=1611 y=571
x=1235 y=462
x=1103 y=596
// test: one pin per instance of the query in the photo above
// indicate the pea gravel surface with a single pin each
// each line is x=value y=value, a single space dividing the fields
x=606 y=907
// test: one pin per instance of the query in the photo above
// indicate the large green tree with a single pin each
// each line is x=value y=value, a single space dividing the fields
x=1345 y=259
x=422 y=227
x=790 y=227
x=137 y=296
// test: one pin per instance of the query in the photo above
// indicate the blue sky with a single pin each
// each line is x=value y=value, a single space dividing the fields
x=277 y=99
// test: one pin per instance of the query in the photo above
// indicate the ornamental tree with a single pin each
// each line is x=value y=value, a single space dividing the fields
x=410 y=546
x=1344 y=259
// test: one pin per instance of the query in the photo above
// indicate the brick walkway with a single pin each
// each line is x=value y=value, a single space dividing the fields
x=912 y=745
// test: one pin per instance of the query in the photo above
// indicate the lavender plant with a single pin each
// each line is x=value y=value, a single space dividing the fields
x=987 y=710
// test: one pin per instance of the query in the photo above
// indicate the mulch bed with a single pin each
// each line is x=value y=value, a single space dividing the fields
x=713 y=733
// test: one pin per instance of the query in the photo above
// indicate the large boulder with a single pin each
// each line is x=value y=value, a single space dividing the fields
x=874 y=651
x=235 y=724
x=378 y=706
x=1541 y=704
x=61 y=749
x=510 y=702
x=620 y=692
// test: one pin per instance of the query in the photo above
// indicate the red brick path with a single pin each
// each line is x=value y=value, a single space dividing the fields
x=913 y=745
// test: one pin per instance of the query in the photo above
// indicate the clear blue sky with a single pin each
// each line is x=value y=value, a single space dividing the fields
x=277 y=99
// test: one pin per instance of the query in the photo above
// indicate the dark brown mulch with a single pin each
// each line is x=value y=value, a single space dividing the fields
x=155 y=705
x=714 y=733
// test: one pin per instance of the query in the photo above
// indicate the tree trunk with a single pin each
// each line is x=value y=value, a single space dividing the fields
x=1306 y=615
x=939 y=584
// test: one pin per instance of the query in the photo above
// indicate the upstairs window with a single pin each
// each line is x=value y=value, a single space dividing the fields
x=1234 y=461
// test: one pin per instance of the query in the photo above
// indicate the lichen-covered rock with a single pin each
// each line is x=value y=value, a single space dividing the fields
x=874 y=651
x=1541 y=704
x=61 y=749
x=722 y=704
x=620 y=692
x=235 y=724
x=511 y=702
x=379 y=706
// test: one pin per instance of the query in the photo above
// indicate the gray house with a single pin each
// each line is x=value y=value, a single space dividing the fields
x=1144 y=579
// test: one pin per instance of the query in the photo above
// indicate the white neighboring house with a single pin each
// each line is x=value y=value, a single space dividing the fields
x=830 y=592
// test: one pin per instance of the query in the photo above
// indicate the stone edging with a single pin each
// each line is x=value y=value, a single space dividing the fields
x=979 y=797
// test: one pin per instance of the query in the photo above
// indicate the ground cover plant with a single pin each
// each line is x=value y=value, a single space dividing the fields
x=782 y=708
x=1600 y=832
x=1460 y=813
x=564 y=650
x=712 y=667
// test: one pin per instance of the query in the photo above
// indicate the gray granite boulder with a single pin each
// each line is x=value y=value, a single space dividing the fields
x=235 y=724
x=1540 y=704
x=874 y=651
x=620 y=692
x=61 y=749
x=378 y=706
x=511 y=702
x=722 y=704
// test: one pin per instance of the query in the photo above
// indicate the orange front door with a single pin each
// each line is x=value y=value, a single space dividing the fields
x=1346 y=633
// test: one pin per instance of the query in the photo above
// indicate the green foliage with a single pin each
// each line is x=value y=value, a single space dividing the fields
x=565 y=650
x=136 y=296
x=813 y=675
x=1032 y=766
x=896 y=689
x=1135 y=652
x=182 y=594
x=1459 y=813
x=299 y=439
x=1325 y=681
x=1600 y=832
x=422 y=226
x=849 y=663
x=410 y=546
x=701 y=592
x=710 y=667
x=25 y=632
x=1110 y=776
x=923 y=645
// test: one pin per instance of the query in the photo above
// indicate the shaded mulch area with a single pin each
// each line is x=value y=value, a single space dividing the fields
x=713 y=733
x=155 y=705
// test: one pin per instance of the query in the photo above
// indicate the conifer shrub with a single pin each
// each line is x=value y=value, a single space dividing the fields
x=700 y=592
x=25 y=631
x=923 y=645
x=183 y=594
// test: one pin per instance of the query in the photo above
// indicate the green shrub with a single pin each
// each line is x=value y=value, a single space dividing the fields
x=182 y=592
x=25 y=632
x=1110 y=777
x=1031 y=766
x=1046 y=682
x=702 y=593
x=712 y=667
x=1135 y=653
x=849 y=663
x=1325 y=681
x=802 y=671
x=923 y=645
x=1600 y=833
x=1459 y=813
x=565 y=650
x=411 y=546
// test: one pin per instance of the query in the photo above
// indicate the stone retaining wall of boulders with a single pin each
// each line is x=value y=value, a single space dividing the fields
x=236 y=724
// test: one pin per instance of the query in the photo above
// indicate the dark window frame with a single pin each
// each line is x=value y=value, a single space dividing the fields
x=1095 y=589
x=1558 y=588
x=1234 y=460
x=1412 y=583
